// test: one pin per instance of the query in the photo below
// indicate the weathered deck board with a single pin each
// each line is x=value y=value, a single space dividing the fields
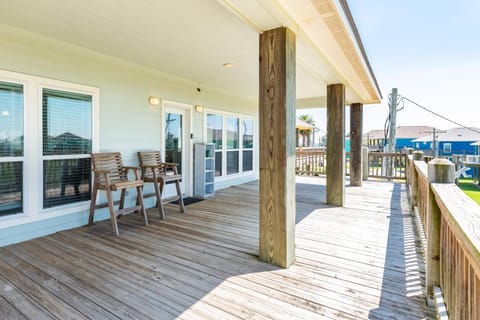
x=355 y=262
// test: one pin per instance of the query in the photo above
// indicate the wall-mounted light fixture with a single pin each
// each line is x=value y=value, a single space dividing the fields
x=199 y=108
x=154 y=101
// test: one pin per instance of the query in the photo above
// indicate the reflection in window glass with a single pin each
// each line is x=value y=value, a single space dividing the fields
x=173 y=139
x=11 y=119
x=66 y=123
x=11 y=182
x=247 y=160
x=66 y=181
x=218 y=164
x=232 y=162
x=66 y=130
x=214 y=130
x=232 y=133
x=247 y=133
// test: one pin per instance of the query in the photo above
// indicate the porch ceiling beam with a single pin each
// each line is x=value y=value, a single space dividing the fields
x=336 y=144
x=277 y=147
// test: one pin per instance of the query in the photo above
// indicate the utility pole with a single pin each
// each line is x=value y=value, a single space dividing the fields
x=434 y=140
x=393 y=121
x=392 y=127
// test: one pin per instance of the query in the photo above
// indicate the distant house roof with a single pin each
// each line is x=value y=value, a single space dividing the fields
x=374 y=134
x=302 y=125
x=454 y=134
x=403 y=132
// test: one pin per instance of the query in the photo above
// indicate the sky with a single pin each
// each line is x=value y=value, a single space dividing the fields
x=430 y=51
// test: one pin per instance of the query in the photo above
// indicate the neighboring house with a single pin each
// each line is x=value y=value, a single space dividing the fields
x=404 y=138
x=453 y=141
x=477 y=146
x=304 y=133
x=96 y=76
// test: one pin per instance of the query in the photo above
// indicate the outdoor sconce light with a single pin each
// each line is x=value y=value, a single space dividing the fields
x=154 y=101
x=198 y=108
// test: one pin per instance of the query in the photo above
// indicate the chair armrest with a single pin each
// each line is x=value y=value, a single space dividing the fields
x=101 y=171
x=135 y=171
x=170 y=165
x=149 y=165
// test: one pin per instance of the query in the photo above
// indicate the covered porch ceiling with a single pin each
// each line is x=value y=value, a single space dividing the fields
x=193 y=39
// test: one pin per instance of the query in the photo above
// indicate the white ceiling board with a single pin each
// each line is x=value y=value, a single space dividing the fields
x=188 y=38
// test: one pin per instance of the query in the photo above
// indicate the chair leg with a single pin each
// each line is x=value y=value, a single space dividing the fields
x=180 y=199
x=113 y=217
x=143 y=212
x=93 y=203
x=158 y=192
x=122 y=199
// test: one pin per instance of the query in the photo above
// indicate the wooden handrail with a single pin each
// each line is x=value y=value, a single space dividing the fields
x=458 y=240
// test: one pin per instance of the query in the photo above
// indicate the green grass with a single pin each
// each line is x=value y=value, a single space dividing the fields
x=472 y=190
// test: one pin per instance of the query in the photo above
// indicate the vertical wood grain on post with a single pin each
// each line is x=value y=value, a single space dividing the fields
x=356 y=128
x=439 y=171
x=336 y=144
x=365 y=162
x=277 y=147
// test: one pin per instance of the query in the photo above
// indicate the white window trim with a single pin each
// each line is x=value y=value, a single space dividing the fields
x=32 y=157
x=240 y=150
x=449 y=144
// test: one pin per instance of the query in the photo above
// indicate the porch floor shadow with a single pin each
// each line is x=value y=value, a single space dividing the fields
x=356 y=262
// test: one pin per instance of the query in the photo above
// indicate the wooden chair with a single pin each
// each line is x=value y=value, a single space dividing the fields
x=111 y=175
x=160 y=173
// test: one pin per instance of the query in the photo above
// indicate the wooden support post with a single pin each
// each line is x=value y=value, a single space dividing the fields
x=417 y=156
x=365 y=161
x=297 y=137
x=356 y=124
x=439 y=171
x=336 y=144
x=277 y=147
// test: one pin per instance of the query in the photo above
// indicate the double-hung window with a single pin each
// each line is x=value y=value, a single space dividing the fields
x=11 y=147
x=233 y=137
x=67 y=144
x=46 y=137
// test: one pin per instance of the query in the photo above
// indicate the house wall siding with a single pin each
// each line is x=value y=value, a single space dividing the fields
x=127 y=123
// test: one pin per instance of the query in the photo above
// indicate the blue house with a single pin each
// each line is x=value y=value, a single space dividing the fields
x=453 y=141
x=405 y=136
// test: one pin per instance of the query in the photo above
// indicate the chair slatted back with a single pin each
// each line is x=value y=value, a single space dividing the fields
x=111 y=161
x=151 y=157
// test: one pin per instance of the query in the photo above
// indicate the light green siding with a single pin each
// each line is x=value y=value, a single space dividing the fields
x=127 y=123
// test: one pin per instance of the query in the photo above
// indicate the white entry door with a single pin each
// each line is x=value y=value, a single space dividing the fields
x=176 y=143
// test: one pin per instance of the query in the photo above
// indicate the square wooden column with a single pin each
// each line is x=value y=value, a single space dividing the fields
x=336 y=144
x=356 y=133
x=277 y=147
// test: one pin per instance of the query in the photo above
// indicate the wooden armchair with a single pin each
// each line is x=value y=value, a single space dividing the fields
x=160 y=173
x=111 y=175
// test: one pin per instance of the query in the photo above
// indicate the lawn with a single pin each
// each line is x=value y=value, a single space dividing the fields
x=472 y=190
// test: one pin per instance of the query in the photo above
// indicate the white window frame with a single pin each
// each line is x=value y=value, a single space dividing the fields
x=32 y=156
x=240 y=150
x=449 y=147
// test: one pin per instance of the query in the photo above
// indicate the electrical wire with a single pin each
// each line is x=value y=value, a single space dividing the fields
x=438 y=115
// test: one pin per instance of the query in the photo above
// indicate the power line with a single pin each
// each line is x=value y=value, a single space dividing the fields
x=439 y=115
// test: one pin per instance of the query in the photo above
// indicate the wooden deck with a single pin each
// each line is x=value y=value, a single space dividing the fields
x=355 y=262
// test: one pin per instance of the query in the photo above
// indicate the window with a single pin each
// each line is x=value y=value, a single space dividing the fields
x=67 y=143
x=232 y=145
x=236 y=154
x=215 y=135
x=46 y=137
x=247 y=145
x=447 y=148
x=11 y=148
